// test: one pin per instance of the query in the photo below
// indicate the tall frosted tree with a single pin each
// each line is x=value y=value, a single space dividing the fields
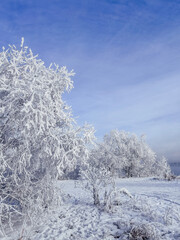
x=38 y=137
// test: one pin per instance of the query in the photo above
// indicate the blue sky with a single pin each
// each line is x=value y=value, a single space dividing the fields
x=126 y=55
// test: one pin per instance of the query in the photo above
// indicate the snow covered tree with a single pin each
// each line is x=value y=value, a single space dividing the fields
x=125 y=153
x=162 y=169
x=38 y=136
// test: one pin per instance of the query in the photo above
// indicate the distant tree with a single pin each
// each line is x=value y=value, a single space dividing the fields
x=126 y=154
x=162 y=168
x=38 y=136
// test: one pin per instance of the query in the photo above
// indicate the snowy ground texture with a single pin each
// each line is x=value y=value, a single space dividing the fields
x=152 y=213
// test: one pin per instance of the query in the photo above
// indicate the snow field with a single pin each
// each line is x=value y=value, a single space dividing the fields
x=154 y=210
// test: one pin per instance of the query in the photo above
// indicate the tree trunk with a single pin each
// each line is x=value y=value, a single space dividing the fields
x=96 y=196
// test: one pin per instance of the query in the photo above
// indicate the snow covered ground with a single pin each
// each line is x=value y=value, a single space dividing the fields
x=153 y=213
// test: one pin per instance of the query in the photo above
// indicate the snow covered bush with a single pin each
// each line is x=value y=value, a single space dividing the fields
x=38 y=136
x=143 y=232
x=77 y=150
x=97 y=178
x=134 y=230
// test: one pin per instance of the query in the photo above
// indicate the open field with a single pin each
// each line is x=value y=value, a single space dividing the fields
x=153 y=213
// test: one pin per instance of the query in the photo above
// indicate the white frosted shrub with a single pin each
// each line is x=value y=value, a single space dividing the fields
x=38 y=136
